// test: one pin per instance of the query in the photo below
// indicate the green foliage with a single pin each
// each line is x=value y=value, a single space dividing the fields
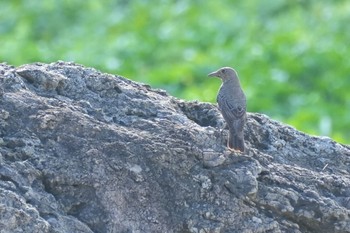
x=291 y=56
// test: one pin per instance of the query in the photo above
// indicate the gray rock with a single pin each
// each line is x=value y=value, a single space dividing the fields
x=85 y=151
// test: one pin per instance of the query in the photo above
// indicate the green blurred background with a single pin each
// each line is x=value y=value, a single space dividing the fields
x=292 y=56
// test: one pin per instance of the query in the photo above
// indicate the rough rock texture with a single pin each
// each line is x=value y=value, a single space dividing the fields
x=84 y=151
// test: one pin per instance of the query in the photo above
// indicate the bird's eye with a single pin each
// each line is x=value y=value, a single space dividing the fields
x=223 y=71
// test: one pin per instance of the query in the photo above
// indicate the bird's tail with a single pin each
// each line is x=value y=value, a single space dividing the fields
x=236 y=142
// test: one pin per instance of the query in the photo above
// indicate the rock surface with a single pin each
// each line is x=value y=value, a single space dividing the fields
x=84 y=151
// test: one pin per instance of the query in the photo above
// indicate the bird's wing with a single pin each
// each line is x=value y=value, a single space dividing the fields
x=235 y=116
x=237 y=110
x=229 y=109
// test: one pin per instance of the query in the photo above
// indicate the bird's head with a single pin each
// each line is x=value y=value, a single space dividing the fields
x=224 y=73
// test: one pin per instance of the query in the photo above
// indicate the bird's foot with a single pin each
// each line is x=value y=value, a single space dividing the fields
x=234 y=150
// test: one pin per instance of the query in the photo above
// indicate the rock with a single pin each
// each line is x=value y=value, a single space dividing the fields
x=85 y=151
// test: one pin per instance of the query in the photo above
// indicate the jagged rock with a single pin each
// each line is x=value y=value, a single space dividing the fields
x=84 y=151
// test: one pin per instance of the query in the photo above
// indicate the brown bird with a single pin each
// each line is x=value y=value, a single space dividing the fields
x=232 y=105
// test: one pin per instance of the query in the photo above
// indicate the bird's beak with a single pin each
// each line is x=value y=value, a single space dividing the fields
x=213 y=74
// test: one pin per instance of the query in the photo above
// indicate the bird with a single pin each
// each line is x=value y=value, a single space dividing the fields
x=233 y=106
